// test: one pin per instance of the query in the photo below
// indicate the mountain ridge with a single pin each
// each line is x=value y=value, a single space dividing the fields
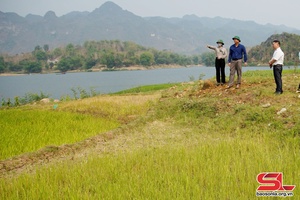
x=188 y=35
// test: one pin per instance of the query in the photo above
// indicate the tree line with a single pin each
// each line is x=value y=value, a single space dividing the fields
x=114 y=54
x=109 y=54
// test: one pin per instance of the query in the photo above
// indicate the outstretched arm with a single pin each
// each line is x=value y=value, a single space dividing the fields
x=211 y=47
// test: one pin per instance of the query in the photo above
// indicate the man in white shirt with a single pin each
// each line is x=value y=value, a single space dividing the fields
x=277 y=62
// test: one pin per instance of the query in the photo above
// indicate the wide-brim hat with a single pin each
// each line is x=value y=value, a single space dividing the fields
x=220 y=41
x=237 y=37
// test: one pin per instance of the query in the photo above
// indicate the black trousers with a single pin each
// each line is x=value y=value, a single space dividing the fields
x=220 y=70
x=277 y=71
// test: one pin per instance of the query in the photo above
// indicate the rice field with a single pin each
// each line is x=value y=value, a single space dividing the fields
x=185 y=142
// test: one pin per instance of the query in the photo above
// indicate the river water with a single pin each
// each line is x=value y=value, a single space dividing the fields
x=58 y=85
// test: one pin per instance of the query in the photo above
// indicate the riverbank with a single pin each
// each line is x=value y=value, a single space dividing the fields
x=140 y=67
x=11 y=74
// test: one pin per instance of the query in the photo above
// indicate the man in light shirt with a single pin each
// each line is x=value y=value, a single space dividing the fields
x=221 y=54
x=277 y=62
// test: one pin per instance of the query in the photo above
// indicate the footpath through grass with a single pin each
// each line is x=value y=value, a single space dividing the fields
x=198 y=141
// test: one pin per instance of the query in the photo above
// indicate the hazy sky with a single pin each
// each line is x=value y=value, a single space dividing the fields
x=276 y=12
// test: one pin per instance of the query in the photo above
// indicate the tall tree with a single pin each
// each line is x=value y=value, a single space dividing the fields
x=208 y=58
x=40 y=55
x=108 y=59
x=46 y=47
x=37 y=48
x=32 y=67
x=147 y=58
x=2 y=65
x=56 y=52
x=64 y=65
x=70 y=50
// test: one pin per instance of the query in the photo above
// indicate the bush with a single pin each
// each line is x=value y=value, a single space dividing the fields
x=32 y=97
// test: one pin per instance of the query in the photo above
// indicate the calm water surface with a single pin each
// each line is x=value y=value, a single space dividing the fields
x=57 y=85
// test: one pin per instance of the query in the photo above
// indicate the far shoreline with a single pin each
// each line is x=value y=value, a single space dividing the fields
x=115 y=69
x=105 y=69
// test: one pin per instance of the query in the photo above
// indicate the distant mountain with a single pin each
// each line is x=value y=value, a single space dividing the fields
x=188 y=34
x=261 y=54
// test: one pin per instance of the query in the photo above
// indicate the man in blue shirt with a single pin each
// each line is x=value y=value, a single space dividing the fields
x=237 y=53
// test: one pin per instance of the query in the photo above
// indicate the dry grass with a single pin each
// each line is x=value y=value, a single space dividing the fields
x=199 y=140
x=125 y=108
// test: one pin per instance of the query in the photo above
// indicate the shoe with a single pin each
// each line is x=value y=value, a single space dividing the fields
x=237 y=86
x=277 y=93
x=229 y=86
x=217 y=84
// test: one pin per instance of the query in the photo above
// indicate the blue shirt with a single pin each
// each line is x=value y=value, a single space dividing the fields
x=236 y=53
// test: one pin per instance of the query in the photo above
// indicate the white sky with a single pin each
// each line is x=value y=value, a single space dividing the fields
x=276 y=12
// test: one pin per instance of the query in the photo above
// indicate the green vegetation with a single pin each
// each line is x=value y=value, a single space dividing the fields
x=261 y=54
x=78 y=93
x=111 y=55
x=190 y=141
x=213 y=169
x=2 y=65
x=147 y=88
x=208 y=58
x=29 y=128
x=91 y=55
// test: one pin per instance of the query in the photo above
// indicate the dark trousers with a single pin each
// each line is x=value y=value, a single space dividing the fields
x=220 y=70
x=277 y=71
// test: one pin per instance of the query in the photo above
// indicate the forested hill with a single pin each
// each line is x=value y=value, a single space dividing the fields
x=261 y=54
x=91 y=55
x=189 y=34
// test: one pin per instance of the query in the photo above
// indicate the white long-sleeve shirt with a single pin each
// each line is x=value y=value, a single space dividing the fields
x=221 y=52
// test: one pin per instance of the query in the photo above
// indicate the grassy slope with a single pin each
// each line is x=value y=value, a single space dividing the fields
x=198 y=141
